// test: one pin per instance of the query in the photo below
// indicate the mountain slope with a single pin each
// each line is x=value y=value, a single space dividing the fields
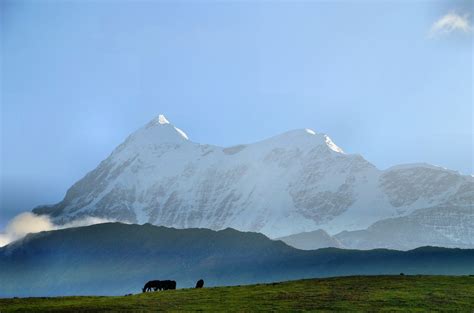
x=294 y=182
x=442 y=226
x=446 y=226
x=116 y=259
x=311 y=240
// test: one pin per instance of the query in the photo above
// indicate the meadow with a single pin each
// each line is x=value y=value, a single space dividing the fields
x=354 y=293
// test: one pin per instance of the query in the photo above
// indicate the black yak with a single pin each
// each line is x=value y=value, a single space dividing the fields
x=159 y=285
x=152 y=284
x=168 y=284
x=200 y=283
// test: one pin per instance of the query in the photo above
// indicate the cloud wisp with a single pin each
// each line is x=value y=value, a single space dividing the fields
x=449 y=23
x=26 y=223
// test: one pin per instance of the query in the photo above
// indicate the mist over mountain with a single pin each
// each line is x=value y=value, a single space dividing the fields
x=116 y=259
x=298 y=181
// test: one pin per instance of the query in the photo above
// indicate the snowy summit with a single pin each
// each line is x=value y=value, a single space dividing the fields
x=293 y=182
x=162 y=119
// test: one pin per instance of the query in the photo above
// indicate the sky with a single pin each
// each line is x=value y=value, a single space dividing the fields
x=390 y=80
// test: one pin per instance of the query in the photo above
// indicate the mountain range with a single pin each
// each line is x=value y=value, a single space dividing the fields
x=298 y=181
x=117 y=259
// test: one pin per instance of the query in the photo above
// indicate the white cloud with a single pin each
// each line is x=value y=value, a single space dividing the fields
x=23 y=224
x=451 y=22
x=27 y=222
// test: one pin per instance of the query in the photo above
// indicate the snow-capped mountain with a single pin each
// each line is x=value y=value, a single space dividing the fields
x=294 y=182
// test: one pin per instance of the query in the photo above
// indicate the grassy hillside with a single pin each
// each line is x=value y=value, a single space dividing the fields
x=355 y=293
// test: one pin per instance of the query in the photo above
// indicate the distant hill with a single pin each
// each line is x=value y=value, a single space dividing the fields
x=115 y=259
x=311 y=240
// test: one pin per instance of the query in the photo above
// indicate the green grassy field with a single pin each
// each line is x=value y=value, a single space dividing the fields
x=356 y=293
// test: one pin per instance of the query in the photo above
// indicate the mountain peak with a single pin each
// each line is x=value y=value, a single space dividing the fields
x=159 y=120
x=162 y=119
x=305 y=137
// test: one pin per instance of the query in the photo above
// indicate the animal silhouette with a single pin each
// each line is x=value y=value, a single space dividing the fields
x=152 y=284
x=159 y=285
x=168 y=284
x=200 y=283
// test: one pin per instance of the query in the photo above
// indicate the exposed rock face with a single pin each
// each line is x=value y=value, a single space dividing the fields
x=295 y=182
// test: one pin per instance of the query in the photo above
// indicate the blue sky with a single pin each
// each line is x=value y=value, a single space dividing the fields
x=390 y=80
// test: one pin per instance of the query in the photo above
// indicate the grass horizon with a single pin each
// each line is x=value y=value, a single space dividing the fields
x=355 y=293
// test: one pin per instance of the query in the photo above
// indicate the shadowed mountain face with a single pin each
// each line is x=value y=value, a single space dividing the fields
x=295 y=182
x=115 y=259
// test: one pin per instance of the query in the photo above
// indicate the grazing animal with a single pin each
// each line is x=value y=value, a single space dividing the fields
x=159 y=285
x=200 y=283
x=152 y=284
x=168 y=284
